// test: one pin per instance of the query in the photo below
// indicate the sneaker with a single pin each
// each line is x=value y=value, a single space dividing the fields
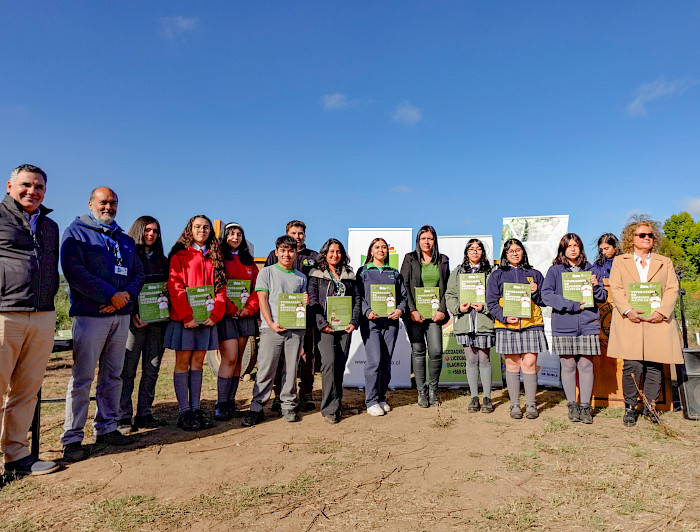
x=653 y=419
x=385 y=407
x=222 y=412
x=113 y=438
x=531 y=412
x=251 y=418
x=145 y=422
x=307 y=403
x=574 y=413
x=585 y=414
x=630 y=417
x=204 y=420
x=124 y=426
x=331 y=420
x=516 y=412
x=290 y=416
x=276 y=405
x=375 y=410
x=75 y=452
x=474 y=404
x=31 y=465
x=487 y=407
x=423 y=400
x=186 y=421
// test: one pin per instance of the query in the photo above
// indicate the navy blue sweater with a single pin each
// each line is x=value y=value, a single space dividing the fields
x=567 y=317
x=367 y=276
x=88 y=260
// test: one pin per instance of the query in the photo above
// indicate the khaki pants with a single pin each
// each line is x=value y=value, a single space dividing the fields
x=26 y=341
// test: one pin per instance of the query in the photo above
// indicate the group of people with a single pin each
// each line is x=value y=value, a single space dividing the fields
x=107 y=268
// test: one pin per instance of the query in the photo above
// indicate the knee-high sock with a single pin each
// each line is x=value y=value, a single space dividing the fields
x=181 y=382
x=234 y=388
x=223 y=389
x=568 y=377
x=513 y=383
x=485 y=371
x=585 y=379
x=472 y=359
x=195 y=388
x=530 y=385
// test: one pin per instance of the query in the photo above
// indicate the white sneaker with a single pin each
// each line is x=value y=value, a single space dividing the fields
x=385 y=407
x=375 y=410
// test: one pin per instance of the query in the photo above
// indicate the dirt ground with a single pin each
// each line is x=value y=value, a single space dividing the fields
x=413 y=469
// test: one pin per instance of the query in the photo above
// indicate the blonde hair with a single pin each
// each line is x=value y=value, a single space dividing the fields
x=635 y=222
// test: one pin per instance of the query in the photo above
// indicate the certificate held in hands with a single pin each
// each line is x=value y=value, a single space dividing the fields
x=472 y=288
x=645 y=297
x=201 y=300
x=517 y=300
x=291 y=311
x=383 y=299
x=577 y=286
x=339 y=312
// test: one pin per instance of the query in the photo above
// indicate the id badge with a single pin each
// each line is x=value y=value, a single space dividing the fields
x=121 y=270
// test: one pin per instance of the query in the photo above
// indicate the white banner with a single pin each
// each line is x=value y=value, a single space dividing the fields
x=453 y=247
x=400 y=242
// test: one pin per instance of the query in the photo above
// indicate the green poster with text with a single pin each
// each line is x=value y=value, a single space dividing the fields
x=645 y=297
x=577 y=286
x=339 y=312
x=517 y=300
x=201 y=300
x=382 y=299
x=238 y=291
x=472 y=288
x=291 y=311
x=153 y=303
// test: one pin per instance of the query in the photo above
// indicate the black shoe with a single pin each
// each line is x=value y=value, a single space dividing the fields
x=487 y=407
x=204 y=420
x=574 y=411
x=30 y=465
x=307 y=403
x=433 y=398
x=186 y=421
x=252 y=418
x=222 y=412
x=474 y=404
x=233 y=408
x=330 y=419
x=653 y=418
x=145 y=422
x=585 y=414
x=423 y=401
x=75 y=452
x=113 y=438
x=276 y=405
x=124 y=426
x=630 y=417
x=516 y=412
x=290 y=415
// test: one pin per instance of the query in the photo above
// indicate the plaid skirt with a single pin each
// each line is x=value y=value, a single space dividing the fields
x=509 y=342
x=587 y=345
x=477 y=341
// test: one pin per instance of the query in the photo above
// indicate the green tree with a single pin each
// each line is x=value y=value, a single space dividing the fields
x=682 y=243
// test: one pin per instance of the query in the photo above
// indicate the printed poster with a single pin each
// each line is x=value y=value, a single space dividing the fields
x=383 y=299
x=153 y=303
x=472 y=288
x=645 y=297
x=201 y=300
x=577 y=286
x=238 y=291
x=291 y=311
x=427 y=300
x=339 y=312
x=517 y=300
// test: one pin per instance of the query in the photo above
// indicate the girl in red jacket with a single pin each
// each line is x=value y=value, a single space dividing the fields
x=195 y=260
x=238 y=323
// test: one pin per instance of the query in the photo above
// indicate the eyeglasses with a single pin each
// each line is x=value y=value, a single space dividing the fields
x=645 y=235
x=514 y=251
x=473 y=250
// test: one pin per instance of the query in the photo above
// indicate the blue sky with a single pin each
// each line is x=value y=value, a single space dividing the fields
x=357 y=114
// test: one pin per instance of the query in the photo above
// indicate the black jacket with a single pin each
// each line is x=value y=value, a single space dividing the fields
x=304 y=262
x=411 y=270
x=28 y=263
x=320 y=288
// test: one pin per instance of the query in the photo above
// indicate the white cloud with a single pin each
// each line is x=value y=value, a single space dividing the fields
x=172 y=27
x=332 y=102
x=692 y=205
x=407 y=114
x=402 y=188
x=660 y=88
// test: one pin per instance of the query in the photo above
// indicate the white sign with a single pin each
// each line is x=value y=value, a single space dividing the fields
x=453 y=247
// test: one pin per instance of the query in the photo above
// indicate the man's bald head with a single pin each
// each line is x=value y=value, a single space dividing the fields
x=103 y=204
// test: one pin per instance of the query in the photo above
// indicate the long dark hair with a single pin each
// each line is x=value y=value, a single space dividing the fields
x=369 y=250
x=186 y=240
x=561 y=251
x=435 y=255
x=504 y=263
x=243 y=252
x=484 y=264
x=610 y=240
x=322 y=260
x=136 y=232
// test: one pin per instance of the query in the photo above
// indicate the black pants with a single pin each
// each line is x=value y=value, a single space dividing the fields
x=653 y=373
x=426 y=333
x=334 y=354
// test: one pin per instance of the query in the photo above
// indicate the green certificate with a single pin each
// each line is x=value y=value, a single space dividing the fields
x=645 y=297
x=382 y=299
x=427 y=300
x=339 y=312
x=153 y=303
x=517 y=300
x=576 y=286
x=291 y=311
x=472 y=288
x=201 y=299
x=238 y=291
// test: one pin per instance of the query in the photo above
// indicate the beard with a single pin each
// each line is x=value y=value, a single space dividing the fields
x=105 y=218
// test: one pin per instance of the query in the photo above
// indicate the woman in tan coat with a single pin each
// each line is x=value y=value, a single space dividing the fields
x=645 y=342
